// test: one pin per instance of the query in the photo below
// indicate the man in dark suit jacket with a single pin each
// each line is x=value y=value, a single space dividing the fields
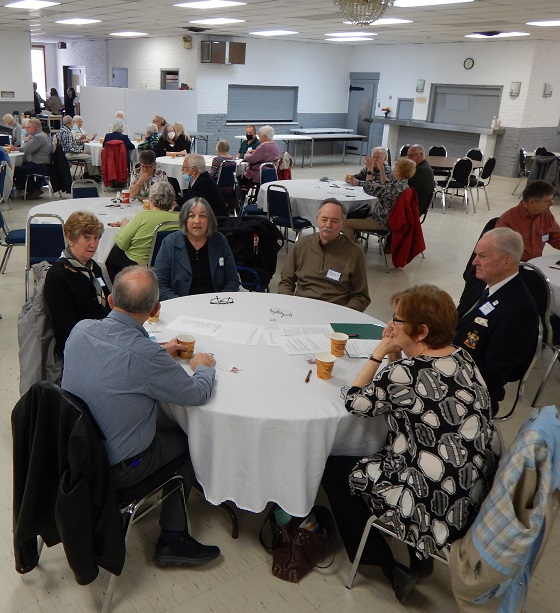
x=499 y=328
x=423 y=180
x=202 y=185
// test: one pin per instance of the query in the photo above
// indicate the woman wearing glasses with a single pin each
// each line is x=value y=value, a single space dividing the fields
x=441 y=452
x=145 y=174
x=196 y=259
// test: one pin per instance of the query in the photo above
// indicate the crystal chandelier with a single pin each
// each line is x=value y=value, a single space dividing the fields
x=363 y=12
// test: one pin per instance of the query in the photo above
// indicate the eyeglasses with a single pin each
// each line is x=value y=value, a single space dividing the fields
x=409 y=155
x=218 y=300
x=396 y=320
x=280 y=312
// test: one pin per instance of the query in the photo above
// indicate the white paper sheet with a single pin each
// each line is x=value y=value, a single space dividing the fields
x=272 y=337
x=360 y=348
x=240 y=334
x=300 y=345
x=305 y=330
x=195 y=325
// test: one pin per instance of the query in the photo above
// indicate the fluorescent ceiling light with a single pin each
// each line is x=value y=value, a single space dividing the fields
x=78 y=21
x=35 y=33
x=341 y=39
x=30 y=4
x=500 y=35
x=128 y=34
x=274 y=32
x=415 y=3
x=217 y=21
x=544 y=24
x=384 y=21
x=352 y=34
x=209 y=4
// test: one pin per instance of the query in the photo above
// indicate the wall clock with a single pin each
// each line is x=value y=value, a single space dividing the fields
x=468 y=63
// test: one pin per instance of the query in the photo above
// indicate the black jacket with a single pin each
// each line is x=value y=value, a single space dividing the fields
x=63 y=488
x=61 y=178
x=205 y=187
x=503 y=341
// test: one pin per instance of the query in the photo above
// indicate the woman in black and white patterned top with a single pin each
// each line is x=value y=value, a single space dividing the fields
x=441 y=451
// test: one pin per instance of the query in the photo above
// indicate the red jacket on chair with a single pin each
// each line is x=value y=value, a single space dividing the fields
x=407 y=237
x=114 y=162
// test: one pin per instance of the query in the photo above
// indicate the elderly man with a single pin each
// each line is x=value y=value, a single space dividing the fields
x=146 y=173
x=122 y=376
x=38 y=151
x=423 y=180
x=267 y=151
x=250 y=143
x=202 y=185
x=533 y=219
x=73 y=150
x=14 y=127
x=373 y=175
x=327 y=266
x=498 y=318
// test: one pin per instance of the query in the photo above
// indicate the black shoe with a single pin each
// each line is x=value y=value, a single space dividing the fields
x=184 y=552
x=424 y=567
x=404 y=580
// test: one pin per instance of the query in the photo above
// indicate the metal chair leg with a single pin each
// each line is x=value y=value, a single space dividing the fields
x=358 y=556
x=546 y=376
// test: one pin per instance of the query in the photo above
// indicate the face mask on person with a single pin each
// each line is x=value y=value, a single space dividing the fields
x=171 y=135
x=186 y=178
x=249 y=136
x=23 y=133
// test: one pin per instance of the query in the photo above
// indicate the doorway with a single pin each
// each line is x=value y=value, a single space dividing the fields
x=119 y=77
x=73 y=76
x=361 y=106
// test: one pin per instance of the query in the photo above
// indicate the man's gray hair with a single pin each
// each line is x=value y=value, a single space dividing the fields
x=33 y=121
x=186 y=209
x=118 y=126
x=162 y=195
x=152 y=128
x=334 y=201
x=268 y=131
x=382 y=149
x=508 y=242
x=198 y=161
x=135 y=290
x=67 y=120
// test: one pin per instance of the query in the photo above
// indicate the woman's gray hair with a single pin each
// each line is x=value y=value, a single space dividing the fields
x=222 y=145
x=186 y=209
x=162 y=195
x=268 y=131
x=136 y=290
x=198 y=161
x=76 y=117
x=147 y=156
x=508 y=242
x=118 y=126
x=152 y=128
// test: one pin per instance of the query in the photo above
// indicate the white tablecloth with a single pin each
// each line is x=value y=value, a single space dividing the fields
x=97 y=206
x=16 y=157
x=545 y=263
x=94 y=149
x=306 y=195
x=265 y=434
x=173 y=167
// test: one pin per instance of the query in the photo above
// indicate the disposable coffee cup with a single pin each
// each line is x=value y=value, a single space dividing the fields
x=126 y=196
x=325 y=363
x=138 y=139
x=338 y=343
x=188 y=340
x=173 y=156
x=349 y=178
x=101 y=140
x=146 y=205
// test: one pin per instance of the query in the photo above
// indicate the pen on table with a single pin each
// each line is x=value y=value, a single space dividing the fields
x=555 y=267
x=308 y=376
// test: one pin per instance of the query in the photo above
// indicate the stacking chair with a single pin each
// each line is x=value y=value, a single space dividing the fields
x=5 y=139
x=12 y=238
x=6 y=180
x=79 y=168
x=279 y=212
x=268 y=172
x=475 y=154
x=227 y=182
x=404 y=150
x=542 y=151
x=46 y=178
x=382 y=236
x=458 y=179
x=45 y=241
x=84 y=188
x=483 y=180
x=165 y=228
x=439 y=150
x=522 y=173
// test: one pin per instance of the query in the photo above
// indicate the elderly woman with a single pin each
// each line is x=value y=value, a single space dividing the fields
x=170 y=142
x=10 y=122
x=151 y=139
x=74 y=285
x=441 y=452
x=145 y=174
x=222 y=154
x=160 y=122
x=197 y=259
x=181 y=133
x=202 y=185
x=117 y=134
x=134 y=240
x=54 y=103
x=387 y=193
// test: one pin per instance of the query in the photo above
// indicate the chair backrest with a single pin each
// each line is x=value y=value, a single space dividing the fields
x=541 y=151
x=437 y=150
x=84 y=188
x=226 y=173
x=268 y=172
x=522 y=161
x=475 y=154
x=278 y=203
x=539 y=287
x=488 y=168
x=165 y=228
x=5 y=139
x=469 y=272
x=404 y=150
x=462 y=170
x=3 y=224
x=45 y=241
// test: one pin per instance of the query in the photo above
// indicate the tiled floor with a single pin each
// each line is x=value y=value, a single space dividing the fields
x=240 y=580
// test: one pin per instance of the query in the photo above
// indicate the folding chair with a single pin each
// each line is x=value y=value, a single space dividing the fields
x=459 y=178
x=84 y=188
x=522 y=173
x=404 y=150
x=483 y=180
x=165 y=228
x=279 y=211
x=12 y=238
x=227 y=182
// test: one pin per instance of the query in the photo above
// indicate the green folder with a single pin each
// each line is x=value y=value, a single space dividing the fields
x=363 y=331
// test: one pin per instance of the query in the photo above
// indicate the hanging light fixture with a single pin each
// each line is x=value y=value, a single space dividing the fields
x=363 y=12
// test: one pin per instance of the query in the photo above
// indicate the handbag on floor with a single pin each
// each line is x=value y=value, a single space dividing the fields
x=298 y=546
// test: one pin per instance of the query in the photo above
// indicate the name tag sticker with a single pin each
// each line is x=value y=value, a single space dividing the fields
x=333 y=274
x=486 y=308
x=221 y=262
x=481 y=321
x=101 y=282
x=545 y=238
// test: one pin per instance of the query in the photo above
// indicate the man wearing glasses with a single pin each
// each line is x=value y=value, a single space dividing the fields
x=145 y=175
x=423 y=180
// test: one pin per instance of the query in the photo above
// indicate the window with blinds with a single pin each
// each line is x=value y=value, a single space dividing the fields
x=262 y=104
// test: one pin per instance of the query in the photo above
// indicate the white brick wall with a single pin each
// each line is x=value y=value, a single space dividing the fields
x=15 y=66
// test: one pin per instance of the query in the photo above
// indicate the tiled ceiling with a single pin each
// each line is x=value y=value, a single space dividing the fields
x=310 y=18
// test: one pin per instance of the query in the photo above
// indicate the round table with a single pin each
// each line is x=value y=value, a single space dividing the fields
x=99 y=207
x=173 y=167
x=265 y=434
x=94 y=149
x=306 y=195
x=16 y=158
x=550 y=267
